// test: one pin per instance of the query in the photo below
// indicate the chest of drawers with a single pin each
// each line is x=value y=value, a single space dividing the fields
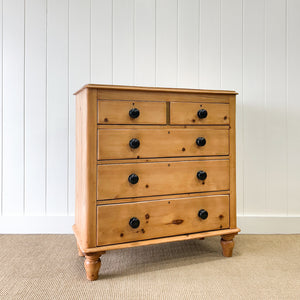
x=153 y=165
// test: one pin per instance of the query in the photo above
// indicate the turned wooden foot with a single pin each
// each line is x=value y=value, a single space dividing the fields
x=92 y=265
x=227 y=244
x=80 y=253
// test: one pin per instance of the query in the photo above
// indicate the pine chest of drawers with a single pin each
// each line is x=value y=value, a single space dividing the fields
x=153 y=165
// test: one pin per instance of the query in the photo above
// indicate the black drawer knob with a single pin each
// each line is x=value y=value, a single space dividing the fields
x=201 y=175
x=134 y=113
x=133 y=178
x=201 y=141
x=134 y=222
x=134 y=143
x=202 y=113
x=202 y=214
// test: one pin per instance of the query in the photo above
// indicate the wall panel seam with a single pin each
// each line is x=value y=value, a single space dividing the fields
x=1 y=206
x=134 y=42
x=243 y=119
x=112 y=41
x=265 y=109
x=241 y=98
x=46 y=110
x=155 y=48
x=177 y=61
x=220 y=40
x=24 y=115
x=68 y=117
x=286 y=107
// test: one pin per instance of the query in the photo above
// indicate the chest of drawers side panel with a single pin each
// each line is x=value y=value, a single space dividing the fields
x=86 y=178
x=232 y=161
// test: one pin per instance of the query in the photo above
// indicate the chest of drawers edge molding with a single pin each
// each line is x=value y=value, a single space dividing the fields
x=87 y=123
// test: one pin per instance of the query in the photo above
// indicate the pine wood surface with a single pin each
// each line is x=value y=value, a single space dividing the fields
x=186 y=113
x=86 y=144
x=166 y=162
x=155 y=89
x=161 y=178
x=161 y=142
x=117 y=112
x=160 y=218
x=169 y=239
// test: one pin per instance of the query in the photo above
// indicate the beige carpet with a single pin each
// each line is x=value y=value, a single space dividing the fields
x=47 y=267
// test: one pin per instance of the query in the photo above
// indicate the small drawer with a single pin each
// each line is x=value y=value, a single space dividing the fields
x=119 y=223
x=131 y=112
x=163 y=142
x=199 y=113
x=161 y=178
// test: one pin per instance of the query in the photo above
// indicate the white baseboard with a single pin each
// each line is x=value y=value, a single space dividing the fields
x=36 y=224
x=63 y=224
x=269 y=224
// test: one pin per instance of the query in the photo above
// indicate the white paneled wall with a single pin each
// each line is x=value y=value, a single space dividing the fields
x=50 y=48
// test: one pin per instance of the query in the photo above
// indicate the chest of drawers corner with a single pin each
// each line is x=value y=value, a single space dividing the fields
x=153 y=165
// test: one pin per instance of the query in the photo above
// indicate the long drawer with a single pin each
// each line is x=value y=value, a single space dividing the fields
x=161 y=178
x=161 y=142
x=119 y=223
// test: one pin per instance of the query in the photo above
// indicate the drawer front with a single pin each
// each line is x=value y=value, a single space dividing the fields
x=199 y=113
x=131 y=112
x=161 y=178
x=119 y=223
x=145 y=143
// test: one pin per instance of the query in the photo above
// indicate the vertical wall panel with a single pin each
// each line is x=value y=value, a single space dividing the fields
x=144 y=29
x=254 y=108
x=79 y=74
x=166 y=43
x=47 y=53
x=276 y=138
x=232 y=77
x=101 y=41
x=293 y=106
x=210 y=46
x=123 y=42
x=57 y=107
x=13 y=107
x=188 y=43
x=1 y=100
x=35 y=106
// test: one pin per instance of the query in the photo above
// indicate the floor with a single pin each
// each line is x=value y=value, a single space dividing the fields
x=47 y=267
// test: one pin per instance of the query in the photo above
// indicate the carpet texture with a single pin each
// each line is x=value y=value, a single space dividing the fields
x=47 y=267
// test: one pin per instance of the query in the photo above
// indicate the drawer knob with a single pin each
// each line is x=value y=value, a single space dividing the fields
x=201 y=175
x=134 y=113
x=134 y=143
x=202 y=214
x=202 y=113
x=134 y=222
x=133 y=178
x=200 y=141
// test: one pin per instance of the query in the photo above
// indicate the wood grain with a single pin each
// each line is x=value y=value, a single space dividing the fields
x=161 y=178
x=161 y=197
x=92 y=265
x=114 y=143
x=186 y=113
x=154 y=89
x=86 y=130
x=169 y=239
x=227 y=244
x=117 y=112
x=167 y=197
x=160 y=218
x=232 y=160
